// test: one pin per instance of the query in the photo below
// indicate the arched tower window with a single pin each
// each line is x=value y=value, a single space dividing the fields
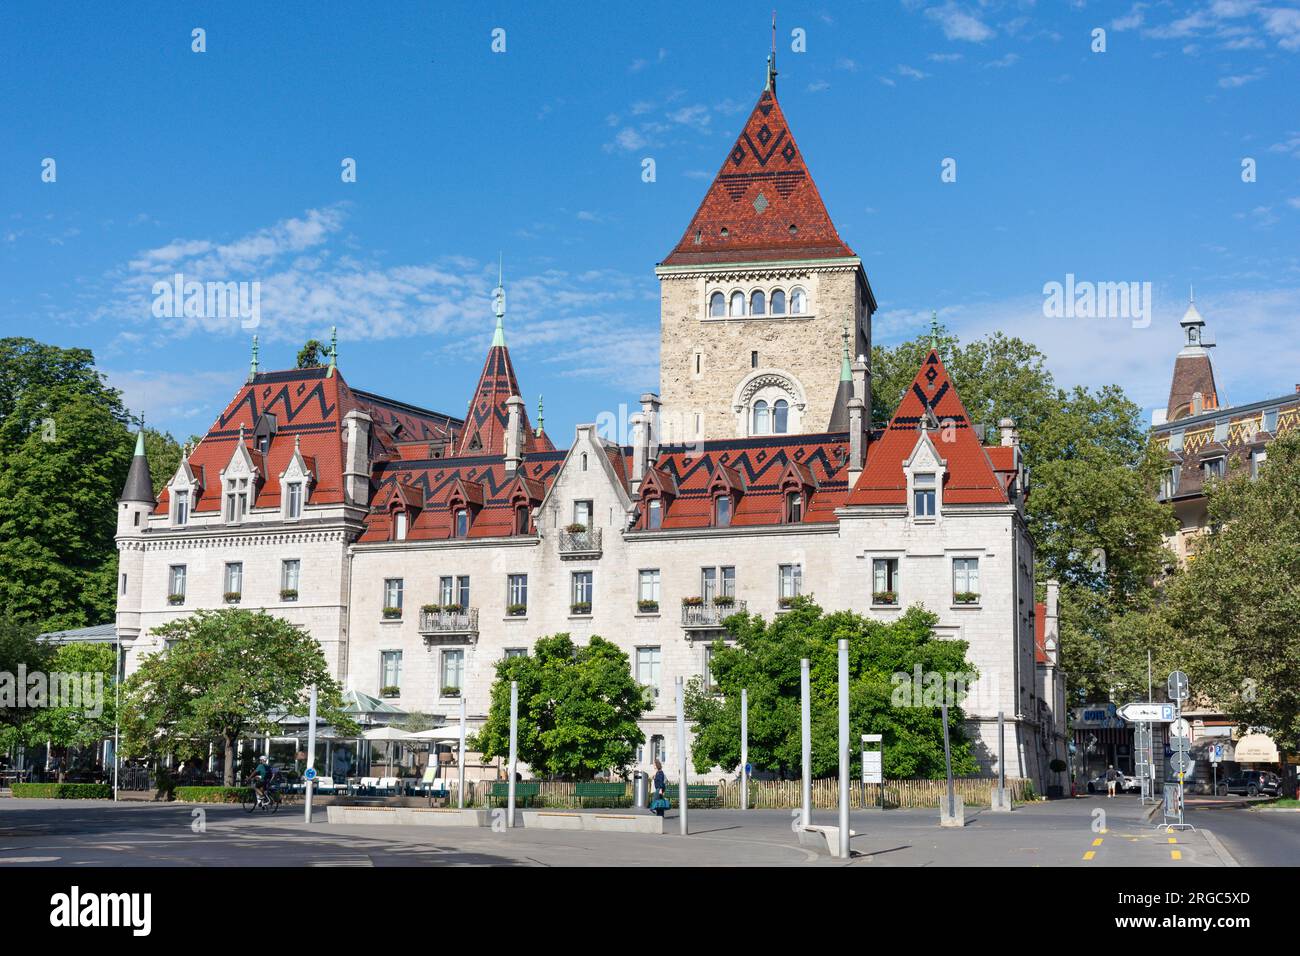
x=758 y=303
x=798 y=301
x=778 y=302
x=780 y=417
x=717 y=305
x=737 y=303
x=761 y=425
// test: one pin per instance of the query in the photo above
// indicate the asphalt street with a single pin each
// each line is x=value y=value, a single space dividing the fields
x=1083 y=832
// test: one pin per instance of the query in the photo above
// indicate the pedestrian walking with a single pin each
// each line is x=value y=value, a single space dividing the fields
x=660 y=802
x=1112 y=778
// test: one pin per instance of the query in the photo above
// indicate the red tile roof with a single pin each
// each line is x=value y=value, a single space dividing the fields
x=485 y=424
x=970 y=478
x=763 y=204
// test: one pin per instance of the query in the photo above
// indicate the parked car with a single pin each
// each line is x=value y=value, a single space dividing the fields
x=1252 y=783
x=1123 y=784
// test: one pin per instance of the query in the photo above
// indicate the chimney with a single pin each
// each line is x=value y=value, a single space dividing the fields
x=1010 y=437
x=514 y=449
x=356 y=458
x=1198 y=403
x=640 y=450
x=650 y=405
x=857 y=439
x=1051 y=625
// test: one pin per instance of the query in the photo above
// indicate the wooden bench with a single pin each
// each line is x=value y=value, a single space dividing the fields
x=612 y=793
x=523 y=791
x=695 y=793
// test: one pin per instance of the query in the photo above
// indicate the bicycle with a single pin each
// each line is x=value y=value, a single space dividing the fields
x=267 y=799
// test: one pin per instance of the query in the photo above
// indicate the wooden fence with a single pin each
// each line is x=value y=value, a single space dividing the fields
x=782 y=794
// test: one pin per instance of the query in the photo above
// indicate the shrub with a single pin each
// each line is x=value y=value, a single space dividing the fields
x=213 y=794
x=64 y=791
x=1058 y=766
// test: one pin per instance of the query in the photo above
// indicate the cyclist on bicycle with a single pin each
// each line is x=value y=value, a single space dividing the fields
x=262 y=777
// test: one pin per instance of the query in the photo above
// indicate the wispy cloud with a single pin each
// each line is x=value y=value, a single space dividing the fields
x=960 y=24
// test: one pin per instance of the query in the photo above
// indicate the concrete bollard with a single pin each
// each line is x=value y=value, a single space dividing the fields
x=958 y=817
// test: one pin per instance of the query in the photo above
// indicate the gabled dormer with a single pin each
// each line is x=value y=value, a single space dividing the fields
x=525 y=496
x=725 y=490
x=925 y=469
x=798 y=483
x=239 y=482
x=183 y=492
x=295 y=483
x=658 y=490
x=465 y=503
x=403 y=508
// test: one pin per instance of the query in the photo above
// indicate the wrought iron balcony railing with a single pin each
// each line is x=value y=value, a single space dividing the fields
x=710 y=614
x=449 y=623
x=580 y=542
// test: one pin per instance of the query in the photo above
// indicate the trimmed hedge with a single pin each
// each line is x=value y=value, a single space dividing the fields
x=213 y=794
x=64 y=791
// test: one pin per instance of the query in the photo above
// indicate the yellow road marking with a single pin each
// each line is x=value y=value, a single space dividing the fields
x=1173 y=839
x=1090 y=854
x=1097 y=842
x=1176 y=854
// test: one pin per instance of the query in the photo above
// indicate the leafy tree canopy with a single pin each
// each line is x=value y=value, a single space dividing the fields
x=313 y=354
x=578 y=709
x=765 y=661
x=231 y=673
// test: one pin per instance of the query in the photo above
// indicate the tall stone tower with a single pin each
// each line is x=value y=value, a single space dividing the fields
x=757 y=297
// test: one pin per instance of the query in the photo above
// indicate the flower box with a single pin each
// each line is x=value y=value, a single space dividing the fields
x=288 y=594
x=787 y=601
x=724 y=600
x=580 y=607
x=647 y=607
x=575 y=528
x=232 y=597
x=392 y=613
x=451 y=692
x=966 y=597
x=431 y=608
x=884 y=597
x=692 y=602
x=176 y=599
x=517 y=610
x=391 y=691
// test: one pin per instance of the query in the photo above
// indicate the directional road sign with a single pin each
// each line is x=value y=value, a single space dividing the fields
x=1178 y=685
x=1156 y=713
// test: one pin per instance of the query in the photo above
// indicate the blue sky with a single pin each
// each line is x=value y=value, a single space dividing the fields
x=1124 y=165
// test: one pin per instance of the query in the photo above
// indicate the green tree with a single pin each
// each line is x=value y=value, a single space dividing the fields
x=578 y=709
x=19 y=651
x=765 y=661
x=230 y=674
x=164 y=455
x=313 y=354
x=1235 y=609
x=85 y=717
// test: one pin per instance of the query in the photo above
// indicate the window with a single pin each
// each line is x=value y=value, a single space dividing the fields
x=581 y=592
x=1213 y=467
x=647 y=667
x=737 y=303
x=923 y=496
x=717 y=305
x=658 y=752
x=461 y=528
x=1169 y=483
x=778 y=302
x=1269 y=423
x=654 y=514
x=710 y=684
x=728 y=582
x=780 y=417
x=235 y=577
x=390 y=673
x=582 y=513
x=798 y=301
x=758 y=303
x=393 y=593
x=236 y=500
x=136 y=516
x=761 y=425
x=753 y=359
x=454 y=591
x=294 y=506
x=966 y=580
x=584 y=461
x=176 y=583
x=517 y=592
x=182 y=507
x=122 y=586
x=453 y=672
x=516 y=652
x=717 y=582
x=708 y=583
x=1256 y=459
x=884 y=584
x=521 y=519
x=648 y=585
x=722 y=511
x=399 y=525
x=289 y=571
x=794 y=506
x=791 y=581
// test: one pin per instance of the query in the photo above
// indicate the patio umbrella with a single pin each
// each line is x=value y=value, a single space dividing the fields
x=389 y=734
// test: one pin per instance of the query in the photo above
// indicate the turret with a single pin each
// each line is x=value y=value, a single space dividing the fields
x=137 y=500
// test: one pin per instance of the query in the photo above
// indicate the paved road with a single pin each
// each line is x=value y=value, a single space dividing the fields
x=1253 y=837
x=1060 y=833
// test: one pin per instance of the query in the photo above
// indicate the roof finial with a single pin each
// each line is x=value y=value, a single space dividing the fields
x=541 y=422
x=934 y=329
x=1191 y=294
x=499 y=304
x=771 y=58
x=252 y=366
x=334 y=351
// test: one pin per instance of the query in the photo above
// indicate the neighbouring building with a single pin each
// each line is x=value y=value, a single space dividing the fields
x=420 y=548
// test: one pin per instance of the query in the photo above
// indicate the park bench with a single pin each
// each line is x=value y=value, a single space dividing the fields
x=695 y=793
x=611 y=793
x=523 y=791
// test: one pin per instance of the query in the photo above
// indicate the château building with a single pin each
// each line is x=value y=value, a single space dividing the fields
x=420 y=548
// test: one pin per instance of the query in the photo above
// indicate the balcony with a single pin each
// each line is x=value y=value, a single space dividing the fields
x=449 y=625
x=580 y=544
x=709 y=614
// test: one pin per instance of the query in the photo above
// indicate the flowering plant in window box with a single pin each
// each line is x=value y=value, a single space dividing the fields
x=176 y=599
x=451 y=692
x=724 y=600
x=452 y=608
x=232 y=597
x=431 y=608
x=575 y=528
x=692 y=602
x=391 y=691
x=966 y=597
x=788 y=600
x=288 y=594
x=517 y=610
x=392 y=613
x=580 y=607
x=647 y=607
x=884 y=597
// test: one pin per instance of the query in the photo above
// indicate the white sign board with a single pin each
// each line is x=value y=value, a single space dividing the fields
x=871 y=768
x=1156 y=713
x=1180 y=728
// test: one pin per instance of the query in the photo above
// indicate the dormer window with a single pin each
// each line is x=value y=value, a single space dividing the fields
x=654 y=514
x=460 y=523
x=181 y=507
x=293 y=503
x=236 y=500
x=521 y=519
x=722 y=511
x=794 y=507
x=924 y=496
x=399 y=525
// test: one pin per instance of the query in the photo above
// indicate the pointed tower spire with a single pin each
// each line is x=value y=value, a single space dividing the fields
x=771 y=59
x=934 y=329
x=541 y=422
x=844 y=392
x=488 y=416
x=139 y=483
x=1193 y=370
x=334 y=351
x=499 y=304
x=252 y=366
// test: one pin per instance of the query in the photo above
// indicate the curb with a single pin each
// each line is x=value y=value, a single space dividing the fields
x=1226 y=858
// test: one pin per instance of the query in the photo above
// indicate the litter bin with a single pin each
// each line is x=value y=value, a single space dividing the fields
x=639 y=789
